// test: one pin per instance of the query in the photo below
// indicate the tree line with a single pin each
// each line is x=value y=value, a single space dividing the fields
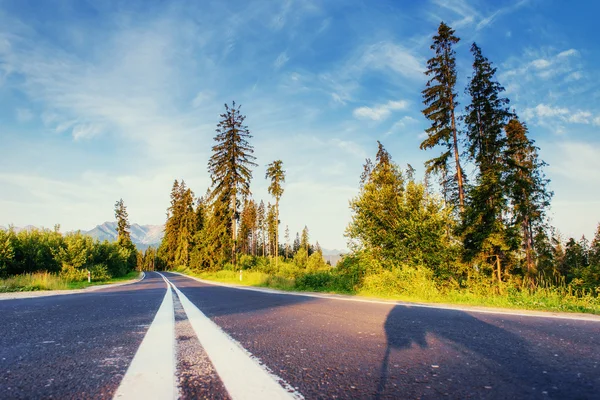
x=226 y=227
x=71 y=255
x=492 y=222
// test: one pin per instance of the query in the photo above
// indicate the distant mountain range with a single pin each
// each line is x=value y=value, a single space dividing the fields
x=143 y=236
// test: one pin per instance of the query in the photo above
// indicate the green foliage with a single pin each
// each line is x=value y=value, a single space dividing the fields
x=398 y=222
x=70 y=255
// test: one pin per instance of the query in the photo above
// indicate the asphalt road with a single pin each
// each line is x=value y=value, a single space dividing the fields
x=81 y=346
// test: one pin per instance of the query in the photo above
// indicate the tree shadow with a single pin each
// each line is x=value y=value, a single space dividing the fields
x=510 y=361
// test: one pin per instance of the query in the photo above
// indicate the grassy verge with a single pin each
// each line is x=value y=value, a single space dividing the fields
x=48 y=281
x=417 y=289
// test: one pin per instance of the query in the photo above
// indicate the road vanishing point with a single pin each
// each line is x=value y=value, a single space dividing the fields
x=170 y=336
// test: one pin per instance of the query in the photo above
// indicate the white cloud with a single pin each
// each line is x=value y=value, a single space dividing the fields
x=547 y=115
x=86 y=131
x=392 y=56
x=568 y=53
x=580 y=117
x=380 y=111
x=541 y=63
x=544 y=111
x=597 y=121
x=281 y=60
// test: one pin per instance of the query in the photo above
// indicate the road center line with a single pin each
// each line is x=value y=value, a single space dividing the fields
x=151 y=374
x=241 y=373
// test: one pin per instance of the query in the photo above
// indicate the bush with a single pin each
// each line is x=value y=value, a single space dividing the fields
x=71 y=274
x=402 y=281
x=99 y=272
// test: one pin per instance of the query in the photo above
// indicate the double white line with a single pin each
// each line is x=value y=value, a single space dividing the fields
x=152 y=373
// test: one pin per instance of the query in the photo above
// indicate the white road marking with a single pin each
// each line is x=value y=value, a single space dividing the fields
x=151 y=374
x=241 y=373
x=535 y=314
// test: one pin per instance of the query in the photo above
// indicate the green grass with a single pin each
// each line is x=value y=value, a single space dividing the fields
x=84 y=284
x=418 y=287
x=48 y=281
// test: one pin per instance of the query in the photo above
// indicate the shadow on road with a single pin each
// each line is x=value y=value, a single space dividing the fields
x=511 y=359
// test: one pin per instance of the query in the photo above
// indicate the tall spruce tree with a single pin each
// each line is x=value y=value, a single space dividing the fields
x=440 y=102
x=123 y=236
x=277 y=176
x=287 y=241
x=484 y=231
x=261 y=223
x=527 y=184
x=230 y=165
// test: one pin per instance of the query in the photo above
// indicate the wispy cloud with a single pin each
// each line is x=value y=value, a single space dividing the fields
x=380 y=111
x=281 y=60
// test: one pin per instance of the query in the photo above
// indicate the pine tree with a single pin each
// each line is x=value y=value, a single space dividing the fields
x=188 y=223
x=277 y=176
x=440 y=105
x=304 y=239
x=230 y=165
x=485 y=234
x=168 y=245
x=272 y=228
x=123 y=236
x=287 y=242
x=247 y=231
x=296 y=245
x=261 y=224
x=527 y=186
x=395 y=222
x=594 y=256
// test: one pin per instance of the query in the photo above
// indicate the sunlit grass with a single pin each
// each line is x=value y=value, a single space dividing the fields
x=48 y=281
x=416 y=286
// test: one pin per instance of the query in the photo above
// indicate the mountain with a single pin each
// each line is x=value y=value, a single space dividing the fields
x=143 y=236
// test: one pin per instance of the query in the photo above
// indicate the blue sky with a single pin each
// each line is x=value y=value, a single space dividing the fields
x=107 y=99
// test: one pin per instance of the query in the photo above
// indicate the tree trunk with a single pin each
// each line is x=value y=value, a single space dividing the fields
x=461 y=195
x=276 y=231
x=233 y=231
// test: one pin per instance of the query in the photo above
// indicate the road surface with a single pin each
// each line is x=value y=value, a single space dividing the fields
x=171 y=336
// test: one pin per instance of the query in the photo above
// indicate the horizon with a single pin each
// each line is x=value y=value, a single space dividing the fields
x=104 y=102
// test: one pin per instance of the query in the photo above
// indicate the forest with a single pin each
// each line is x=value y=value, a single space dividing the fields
x=475 y=229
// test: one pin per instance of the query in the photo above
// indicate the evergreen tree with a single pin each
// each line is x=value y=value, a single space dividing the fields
x=188 y=225
x=247 y=231
x=296 y=245
x=287 y=242
x=272 y=228
x=440 y=105
x=277 y=176
x=527 y=187
x=168 y=245
x=123 y=236
x=261 y=223
x=304 y=239
x=395 y=222
x=594 y=254
x=485 y=234
x=230 y=165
